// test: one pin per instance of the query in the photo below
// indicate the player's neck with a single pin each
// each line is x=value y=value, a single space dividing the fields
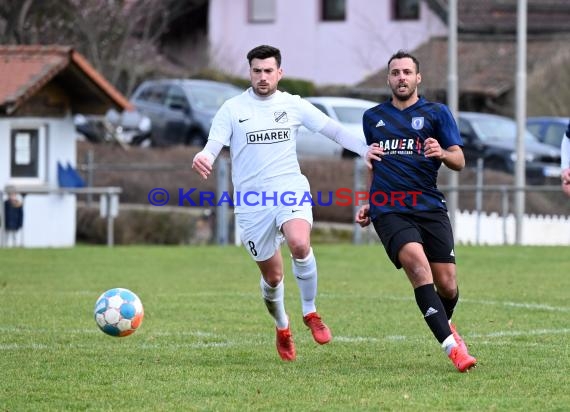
x=404 y=104
x=261 y=97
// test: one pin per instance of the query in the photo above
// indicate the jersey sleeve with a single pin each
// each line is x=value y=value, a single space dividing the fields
x=365 y=128
x=565 y=152
x=312 y=118
x=448 y=132
x=221 y=129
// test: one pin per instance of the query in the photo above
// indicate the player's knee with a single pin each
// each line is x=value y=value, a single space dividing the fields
x=299 y=250
x=445 y=282
x=273 y=278
x=418 y=274
x=447 y=290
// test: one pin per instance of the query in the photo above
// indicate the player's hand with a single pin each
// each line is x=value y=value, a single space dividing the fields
x=565 y=178
x=362 y=217
x=432 y=148
x=374 y=152
x=202 y=165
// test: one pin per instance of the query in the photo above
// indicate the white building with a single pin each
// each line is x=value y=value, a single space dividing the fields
x=42 y=88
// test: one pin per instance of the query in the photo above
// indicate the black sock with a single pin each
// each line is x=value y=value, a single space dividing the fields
x=434 y=313
x=449 y=304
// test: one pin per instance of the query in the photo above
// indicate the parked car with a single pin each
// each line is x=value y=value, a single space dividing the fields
x=493 y=138
x=181 y=110
x=548 y=129
x=126 y=128
x=345 y=110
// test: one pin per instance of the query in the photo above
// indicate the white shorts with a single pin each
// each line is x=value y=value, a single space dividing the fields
x=260 y=231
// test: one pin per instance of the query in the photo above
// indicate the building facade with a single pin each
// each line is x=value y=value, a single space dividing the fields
x=329 y=42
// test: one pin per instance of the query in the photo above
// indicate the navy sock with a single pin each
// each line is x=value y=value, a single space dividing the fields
x=449 y=304
x=434 y=313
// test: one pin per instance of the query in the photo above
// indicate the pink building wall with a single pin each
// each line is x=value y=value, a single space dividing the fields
x=339 y=53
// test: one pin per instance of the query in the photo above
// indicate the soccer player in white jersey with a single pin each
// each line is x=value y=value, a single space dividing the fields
x=270 y=193
x=565 y=162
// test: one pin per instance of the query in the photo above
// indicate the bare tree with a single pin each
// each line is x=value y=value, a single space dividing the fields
x=119 y=37
x=13 y=16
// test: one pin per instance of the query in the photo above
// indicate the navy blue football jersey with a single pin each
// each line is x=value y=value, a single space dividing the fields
x=405 y=180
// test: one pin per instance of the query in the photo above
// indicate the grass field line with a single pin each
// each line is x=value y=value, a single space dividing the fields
x=94 y=331
x=516 y=333
x=248 y=340
x=522 y=305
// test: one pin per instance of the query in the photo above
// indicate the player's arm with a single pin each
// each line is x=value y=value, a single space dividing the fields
x=362 y=216
x=204 y=160
x=565 y=155
x=565 y=162
x=336 y=132
x=219 y=136
x=447 y=146
x=452 y=157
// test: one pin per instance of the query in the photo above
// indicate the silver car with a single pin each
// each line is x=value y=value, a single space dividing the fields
x=348 y=112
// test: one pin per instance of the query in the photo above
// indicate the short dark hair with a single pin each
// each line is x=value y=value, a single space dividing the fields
x=402 y=54
x=264 y=52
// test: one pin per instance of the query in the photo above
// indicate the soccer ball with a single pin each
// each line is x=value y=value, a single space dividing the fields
x=118 y=312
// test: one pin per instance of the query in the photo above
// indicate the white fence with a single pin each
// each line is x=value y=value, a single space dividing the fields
x=471 y=227
x=492 y=229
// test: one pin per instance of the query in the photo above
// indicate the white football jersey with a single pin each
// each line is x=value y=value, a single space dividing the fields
x=261 y=134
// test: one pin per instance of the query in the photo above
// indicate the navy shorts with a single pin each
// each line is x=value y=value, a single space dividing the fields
x=432 y=229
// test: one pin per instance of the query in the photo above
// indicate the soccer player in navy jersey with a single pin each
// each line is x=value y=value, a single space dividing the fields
x=405 y=206
x=260 y=127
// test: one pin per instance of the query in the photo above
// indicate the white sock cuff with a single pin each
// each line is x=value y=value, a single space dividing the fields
x=271 y=293
x=306 y=258
x=448 y=343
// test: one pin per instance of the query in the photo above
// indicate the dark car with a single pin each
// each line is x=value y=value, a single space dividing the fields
x=548 y=129
x=181 y=110
x=493 y=138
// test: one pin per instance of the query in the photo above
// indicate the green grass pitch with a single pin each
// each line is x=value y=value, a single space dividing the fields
x=207 y=343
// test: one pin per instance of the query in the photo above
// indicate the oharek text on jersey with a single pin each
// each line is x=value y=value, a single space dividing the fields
x=268 y=136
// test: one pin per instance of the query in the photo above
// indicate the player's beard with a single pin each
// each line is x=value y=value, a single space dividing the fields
x=403 y=96
x=265 y=90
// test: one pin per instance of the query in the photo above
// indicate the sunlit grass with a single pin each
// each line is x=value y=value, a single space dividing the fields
x=207 y=342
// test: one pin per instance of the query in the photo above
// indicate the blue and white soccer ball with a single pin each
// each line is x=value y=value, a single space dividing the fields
x=119 y=312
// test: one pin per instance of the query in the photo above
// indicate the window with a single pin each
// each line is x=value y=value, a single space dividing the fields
x=554 y=134
x=154 y=94
x=349 y=114
x=406 y=9
x=333 y=10
x=261 y=11
x=24 y=153
x=321 y=108
x=176 y=99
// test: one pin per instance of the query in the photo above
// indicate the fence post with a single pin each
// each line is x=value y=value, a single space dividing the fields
x=505 y=212
x=110 y=226
x=222 y=186
x=358 y=185
x=2 y=220
x=479 y=199
x=90 y=163
x=109 y=209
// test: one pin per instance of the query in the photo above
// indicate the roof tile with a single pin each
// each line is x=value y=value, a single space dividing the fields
x=25 y=69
